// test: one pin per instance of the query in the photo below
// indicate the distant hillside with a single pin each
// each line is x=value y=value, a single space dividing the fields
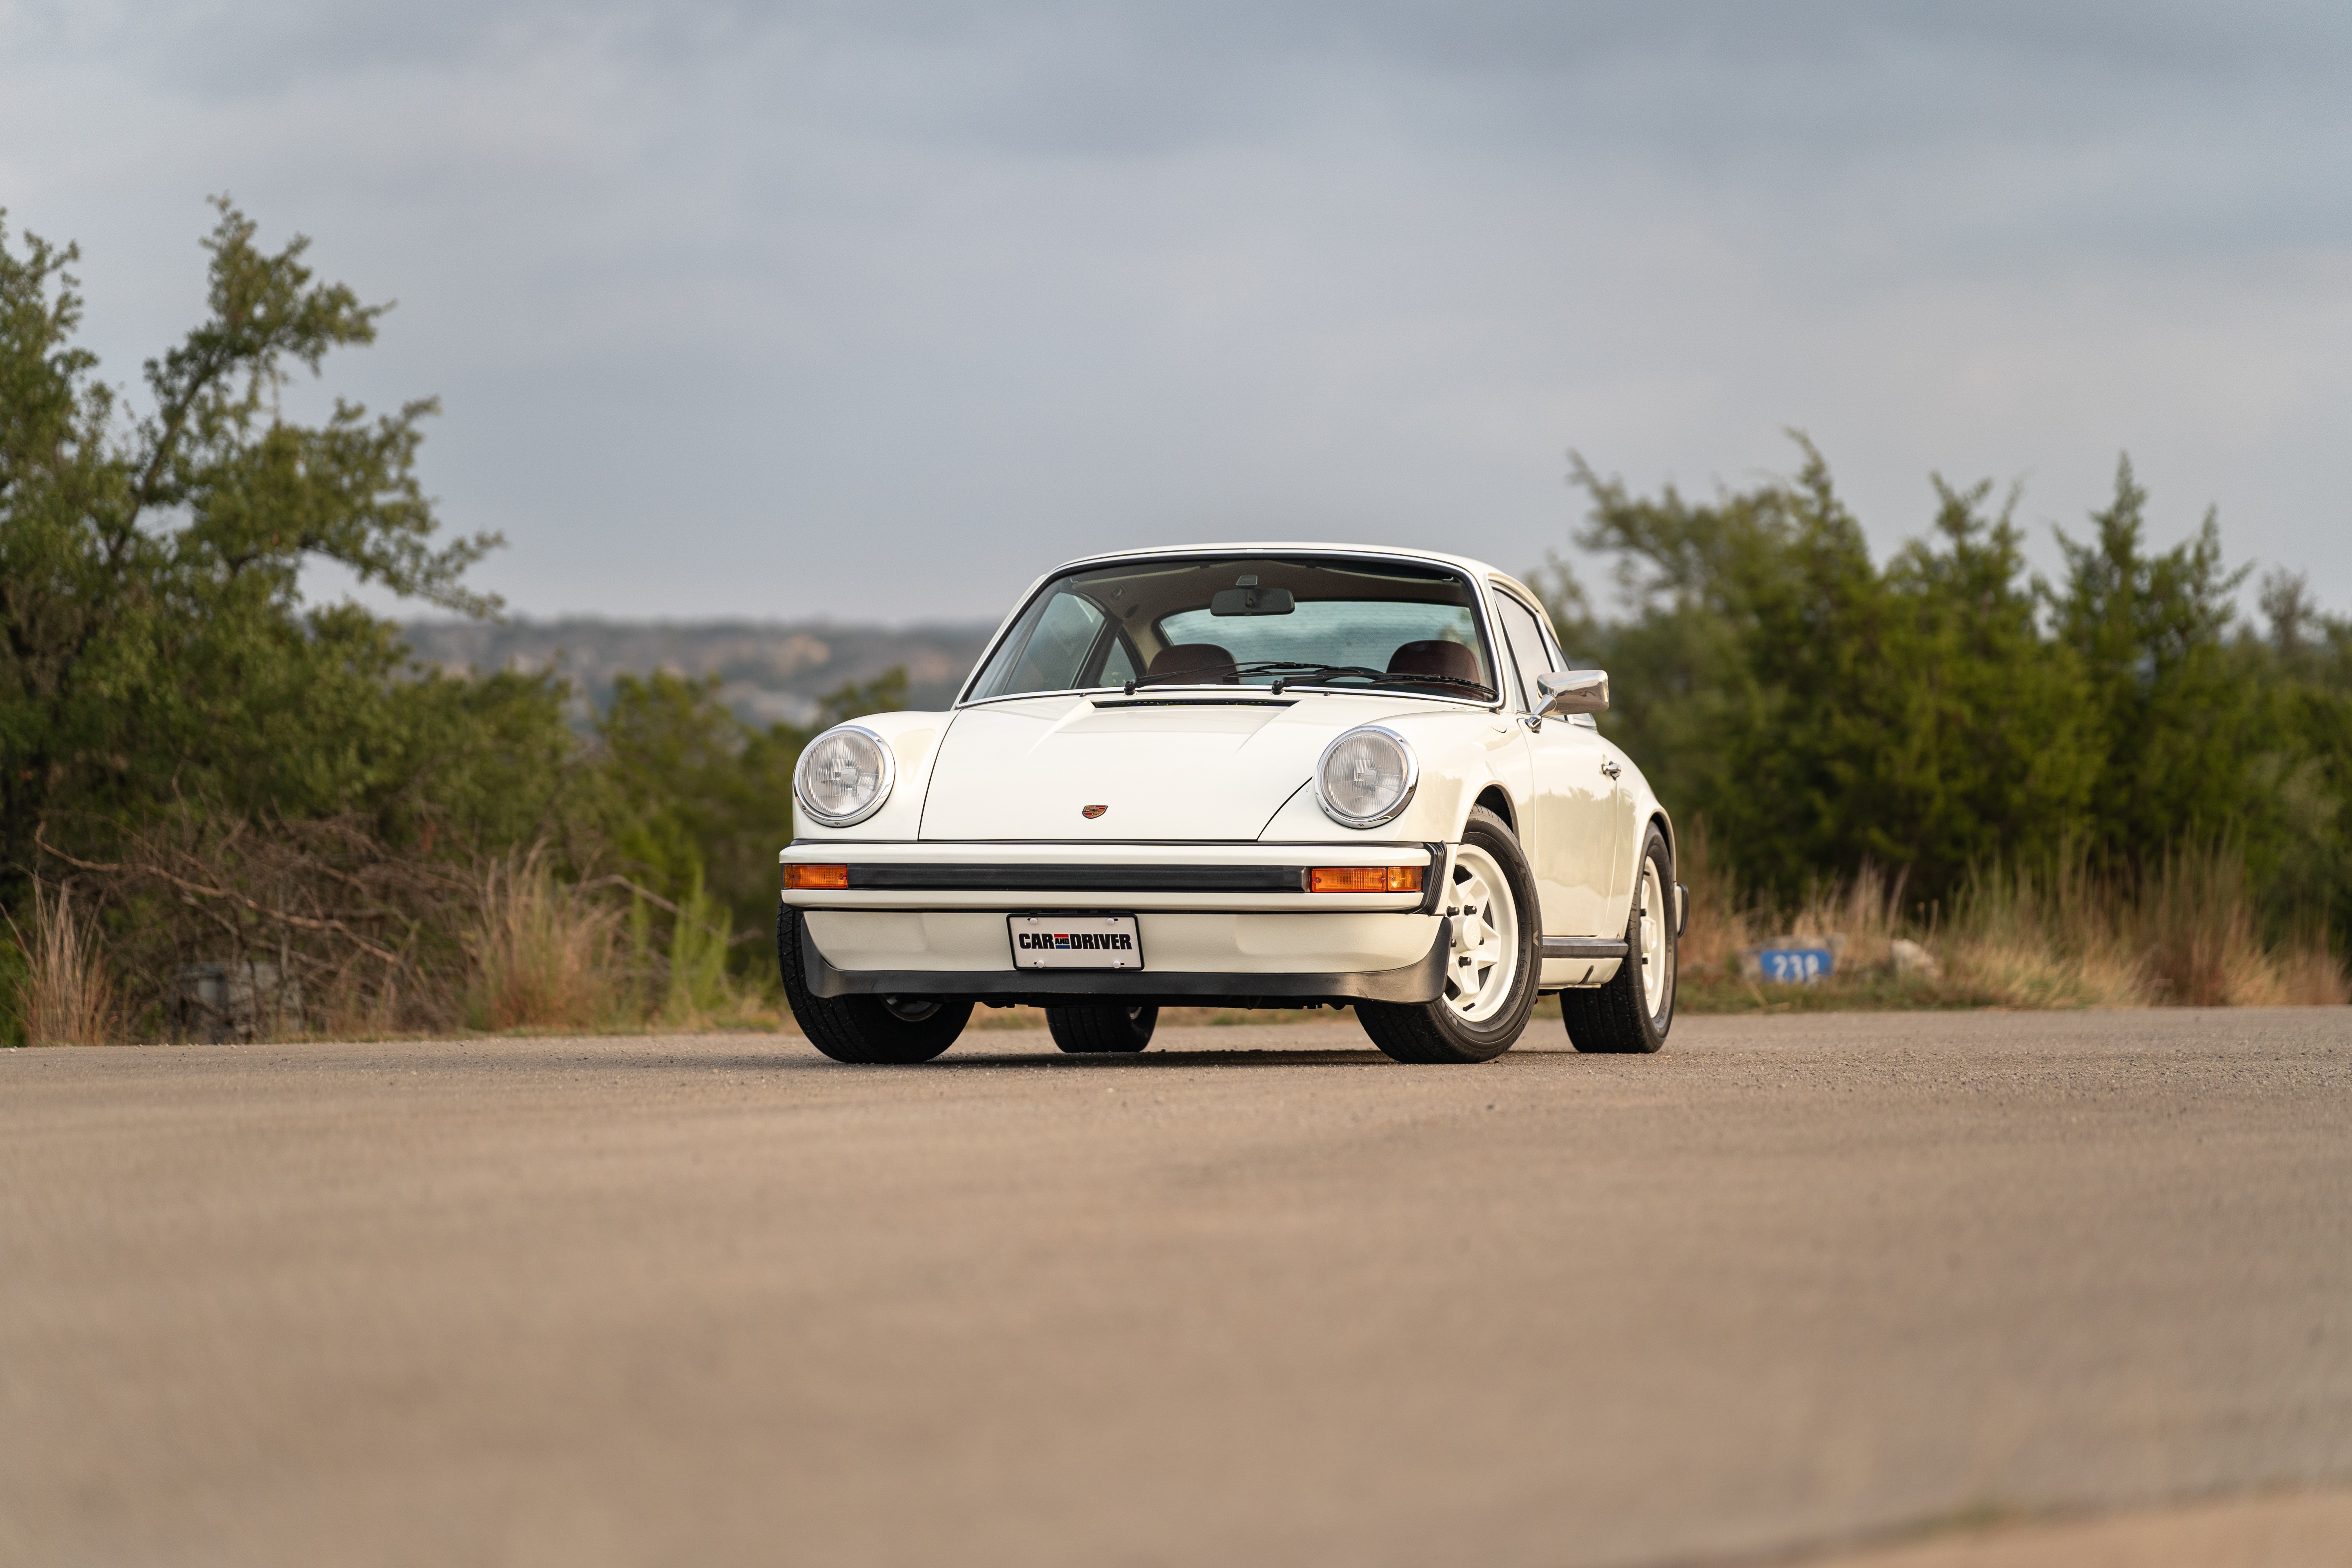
x=771 y=670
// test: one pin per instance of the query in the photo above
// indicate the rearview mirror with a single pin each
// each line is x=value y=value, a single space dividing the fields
x=1574 y=692
x=1251 y=602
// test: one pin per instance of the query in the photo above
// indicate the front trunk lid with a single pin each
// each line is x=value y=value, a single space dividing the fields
x=1162 y=768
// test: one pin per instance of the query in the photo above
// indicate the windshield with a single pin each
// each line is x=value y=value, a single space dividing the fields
x=1248 y=620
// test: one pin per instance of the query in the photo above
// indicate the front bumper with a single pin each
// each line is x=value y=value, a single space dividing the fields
x=1218 y=922
x=1238 y=960
x=1129 y=877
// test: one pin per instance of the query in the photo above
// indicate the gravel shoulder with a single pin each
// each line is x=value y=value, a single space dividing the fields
x=1798 y=1287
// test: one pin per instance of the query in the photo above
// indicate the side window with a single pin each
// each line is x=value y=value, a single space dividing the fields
x=1524 y=633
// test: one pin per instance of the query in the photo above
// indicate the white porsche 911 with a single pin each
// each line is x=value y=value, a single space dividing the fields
x=1251 y=775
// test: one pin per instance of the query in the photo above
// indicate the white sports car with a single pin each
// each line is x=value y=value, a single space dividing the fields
x=1247 y=775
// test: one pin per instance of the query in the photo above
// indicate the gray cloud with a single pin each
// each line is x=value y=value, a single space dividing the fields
x=877 y=310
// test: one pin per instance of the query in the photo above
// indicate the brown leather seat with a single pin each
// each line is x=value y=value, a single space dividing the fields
x=1435 y=657
x=1204 y=661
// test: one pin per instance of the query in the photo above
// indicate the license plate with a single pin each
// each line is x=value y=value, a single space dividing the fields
x=1075 y=942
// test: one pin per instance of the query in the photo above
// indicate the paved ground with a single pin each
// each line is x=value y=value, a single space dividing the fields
x=1798 y=1285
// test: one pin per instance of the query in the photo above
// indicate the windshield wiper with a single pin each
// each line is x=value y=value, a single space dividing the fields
x=1300 y=672
x=1197 y=677
x=1288 y=672
x=1293 y=673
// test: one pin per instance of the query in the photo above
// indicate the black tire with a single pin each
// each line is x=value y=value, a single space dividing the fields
x=1434 y=1032
x=864 y=1029
x=1617 y=1017
x=1093 y=1030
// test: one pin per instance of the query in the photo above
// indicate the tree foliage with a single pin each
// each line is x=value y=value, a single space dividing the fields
x=1948 y=709
x=155 y=653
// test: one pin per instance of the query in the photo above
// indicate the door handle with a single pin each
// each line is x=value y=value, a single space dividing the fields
x=1610 y=767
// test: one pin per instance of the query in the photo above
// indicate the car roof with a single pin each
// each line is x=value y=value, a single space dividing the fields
x=1470 y=564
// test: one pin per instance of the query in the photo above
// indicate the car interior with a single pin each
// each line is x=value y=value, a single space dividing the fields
x=1200 y=621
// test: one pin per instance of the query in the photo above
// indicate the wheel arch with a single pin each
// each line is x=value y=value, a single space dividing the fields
x=1496 y=799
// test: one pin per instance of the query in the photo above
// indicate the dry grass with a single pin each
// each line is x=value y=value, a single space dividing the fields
x=2186 y=934
x=545 y=956
x=2195 y=922
x=323 y=928
x=66 y=997
x=359 y=935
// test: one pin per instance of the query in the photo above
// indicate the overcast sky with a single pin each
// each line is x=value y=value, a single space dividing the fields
x=875 y=311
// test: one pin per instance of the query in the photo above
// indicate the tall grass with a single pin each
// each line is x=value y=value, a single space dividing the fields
x=543 y=952
x=699 y=989
x=551 y=955
x=2057 y=936
x=2187 y=932
x=64 y=995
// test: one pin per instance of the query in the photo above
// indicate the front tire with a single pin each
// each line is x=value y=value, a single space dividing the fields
x=871 y=1030
x=1092 y=1030
x=1491 y=968
x=1632 y=1012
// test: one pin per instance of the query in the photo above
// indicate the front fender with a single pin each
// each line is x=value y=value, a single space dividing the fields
x=914 y=743
x=1461 y=756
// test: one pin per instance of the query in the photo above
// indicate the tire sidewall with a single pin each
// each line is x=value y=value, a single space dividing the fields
x=1499 y=1033
x=1655 y=851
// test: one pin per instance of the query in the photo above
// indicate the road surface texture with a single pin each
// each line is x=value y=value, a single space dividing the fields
x=1798 y=1287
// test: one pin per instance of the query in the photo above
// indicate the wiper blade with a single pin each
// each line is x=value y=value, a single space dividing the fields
x=1224 y=675
x=1479 y=687
x=1301 y=672
x=1294 y=673
x=1233 y=672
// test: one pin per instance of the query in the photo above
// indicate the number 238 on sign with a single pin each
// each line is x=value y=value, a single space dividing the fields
x=1795 y=965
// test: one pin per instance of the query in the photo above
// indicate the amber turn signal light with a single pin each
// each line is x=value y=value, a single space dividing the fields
x=1364 y=880
x=812 y=879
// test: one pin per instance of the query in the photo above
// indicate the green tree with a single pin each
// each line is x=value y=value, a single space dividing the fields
x=2175 y=724
x=1819 y=712
x=1983 y=756
x=154 y=650
x=694 y=794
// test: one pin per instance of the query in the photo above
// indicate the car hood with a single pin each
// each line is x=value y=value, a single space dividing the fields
x=1168 y=768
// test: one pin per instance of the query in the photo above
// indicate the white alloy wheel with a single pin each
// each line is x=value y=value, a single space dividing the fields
x=1485 y=959
x=1657 y=952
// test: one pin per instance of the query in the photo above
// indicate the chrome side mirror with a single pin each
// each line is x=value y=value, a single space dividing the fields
x=1574 y=692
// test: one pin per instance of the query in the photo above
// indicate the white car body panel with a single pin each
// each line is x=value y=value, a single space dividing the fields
x=1221 y=775
x=1025 y=768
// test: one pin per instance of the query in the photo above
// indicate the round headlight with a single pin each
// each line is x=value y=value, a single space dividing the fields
x=1367 y=777
x=844 y=776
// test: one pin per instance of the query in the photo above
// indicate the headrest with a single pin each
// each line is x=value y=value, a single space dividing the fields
x=1204 y=659
x=1435 y=657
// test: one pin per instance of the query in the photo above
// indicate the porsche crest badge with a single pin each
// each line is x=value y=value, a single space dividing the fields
x=1091 y=812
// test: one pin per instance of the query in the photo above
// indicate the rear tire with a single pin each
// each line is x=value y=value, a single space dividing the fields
x=1632 y=1012
x=1091 y=1030
x=1491 y=968
x=872 y=1030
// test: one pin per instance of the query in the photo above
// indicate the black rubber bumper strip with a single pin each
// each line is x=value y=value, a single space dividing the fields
x=1592 y=947
x=1421 y=981
x=1035 y=878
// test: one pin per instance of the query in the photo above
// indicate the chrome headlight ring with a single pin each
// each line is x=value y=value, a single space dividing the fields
x=824 y=750
x=1409 y=770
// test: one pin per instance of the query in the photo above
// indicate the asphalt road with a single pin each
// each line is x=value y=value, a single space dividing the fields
x=1260 y=1295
